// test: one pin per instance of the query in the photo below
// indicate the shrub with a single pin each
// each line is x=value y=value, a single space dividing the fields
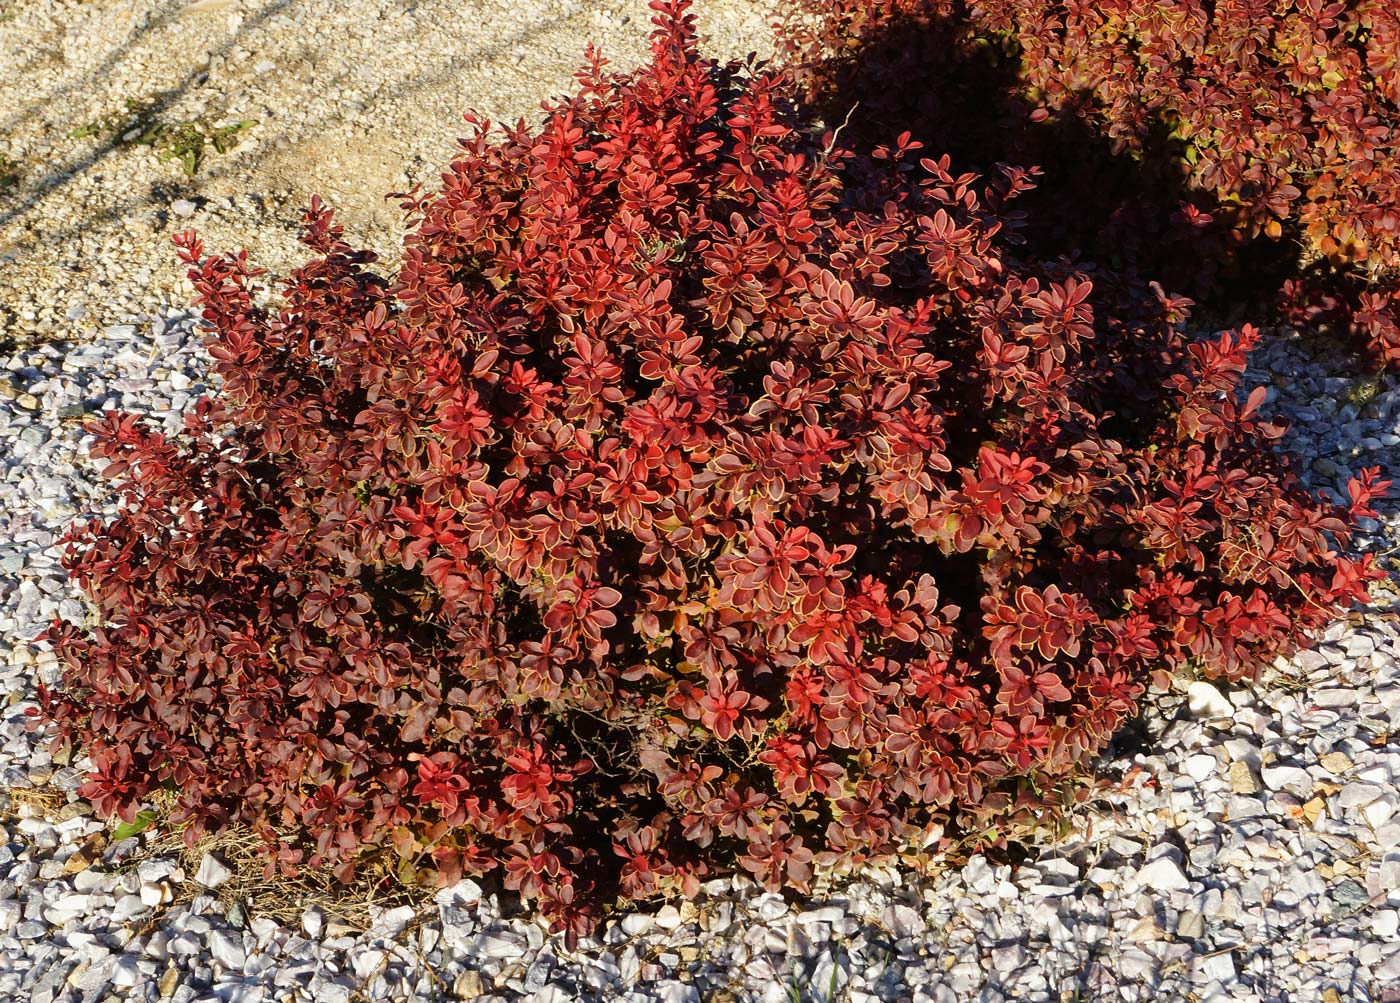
x=697 y=497
x=1176 y=131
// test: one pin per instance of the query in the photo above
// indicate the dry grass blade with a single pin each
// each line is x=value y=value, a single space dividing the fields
x=375 y=888
x=34 y=802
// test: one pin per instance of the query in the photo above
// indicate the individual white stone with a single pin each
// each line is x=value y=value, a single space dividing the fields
x=128 y=907
x=465 y=893
x=1293 y=779
x=1220 y=966
x=1378 y=813
x=771 y=907
x=392 y=921
x=501 y=943
x=226 y=948
x=1335 y=698
x=1163 y=874
x=1206 y=702
x=74 y=902
x=212 y=871
x=156 y=870
x=1385 y=924
x=1378 y=774
x=1190 y=925
x=313 y=921
x=124 y=971
x=1135 y=963
x=240 y=992
x=902 y=920
x=185 y=945
x=1388 y=836
x=333 y=992
x=673 y=991
x=668 y=918
x=154 y=893
x=1388 y=971
x=368 y=964
x=1200 y=767
x=1357 y=794
x=977 y=875
x=1008 y=959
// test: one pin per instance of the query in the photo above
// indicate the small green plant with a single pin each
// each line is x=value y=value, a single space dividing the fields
x=182 y=141
x=143 y=821
x=800 y=990
x=117 y=123
x=1362 y=393
x=224 y=137
x=186 y=141
x=675 y=249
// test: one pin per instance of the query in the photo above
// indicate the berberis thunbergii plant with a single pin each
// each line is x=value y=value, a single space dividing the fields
x=698 y=498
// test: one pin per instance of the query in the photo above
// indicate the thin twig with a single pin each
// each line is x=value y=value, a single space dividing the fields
x=831 y=143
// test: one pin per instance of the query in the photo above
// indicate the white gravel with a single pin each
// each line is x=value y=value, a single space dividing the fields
x=1253 y=853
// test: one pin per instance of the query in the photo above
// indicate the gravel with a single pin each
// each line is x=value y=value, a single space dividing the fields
x=1252 y=852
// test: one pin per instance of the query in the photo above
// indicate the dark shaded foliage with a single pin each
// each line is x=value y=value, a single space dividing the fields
x=1175 y=134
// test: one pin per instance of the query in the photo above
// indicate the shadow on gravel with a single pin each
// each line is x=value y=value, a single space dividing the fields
x=102 y=69
x=165 y=99
x=65 y=173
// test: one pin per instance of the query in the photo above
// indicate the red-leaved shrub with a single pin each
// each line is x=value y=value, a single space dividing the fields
x=1234 y=118
x=698 y=497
